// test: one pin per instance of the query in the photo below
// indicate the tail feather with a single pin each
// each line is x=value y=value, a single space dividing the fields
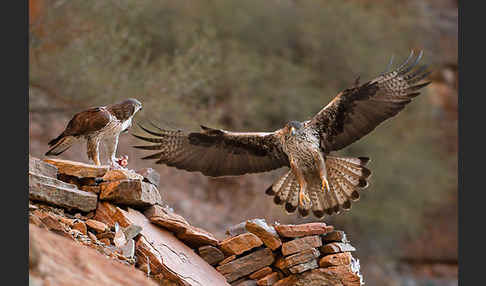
x=282 y=194
x=346 y=177
x=59 y=145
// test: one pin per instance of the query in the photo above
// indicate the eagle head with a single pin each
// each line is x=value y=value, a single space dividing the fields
x=293 y=127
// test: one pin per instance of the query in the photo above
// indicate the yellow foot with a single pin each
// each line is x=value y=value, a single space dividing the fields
x=325 y=186
x=303 y=198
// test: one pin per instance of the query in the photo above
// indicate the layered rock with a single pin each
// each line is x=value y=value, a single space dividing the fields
x=122 y=218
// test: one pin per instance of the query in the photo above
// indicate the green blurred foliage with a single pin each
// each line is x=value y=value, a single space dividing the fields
x=254 y=65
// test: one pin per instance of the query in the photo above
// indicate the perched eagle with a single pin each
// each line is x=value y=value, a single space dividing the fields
x=316 y=181
x=96 y=124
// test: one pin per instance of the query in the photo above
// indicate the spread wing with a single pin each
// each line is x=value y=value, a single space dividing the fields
x=216 y=152
x=87 y=121
x=356 y=111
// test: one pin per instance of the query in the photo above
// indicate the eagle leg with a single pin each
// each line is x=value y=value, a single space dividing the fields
x=323 y=174
x=93 y=149
x=304 y=199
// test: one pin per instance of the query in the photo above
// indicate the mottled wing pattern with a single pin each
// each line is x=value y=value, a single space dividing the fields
x=216 y=152
x=356 y=111
x=88 y=121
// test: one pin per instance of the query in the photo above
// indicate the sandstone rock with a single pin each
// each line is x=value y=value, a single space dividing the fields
x=299 y=244
x=67 y=221
x=336 y=259
x=240 y=243
x=51 y=222
x=78 y=181
x=196 y=237
x=227 y=259
x=150 y=175
x=265 y=232
x=97 y=226
x=132 y=231
x=119 y=239
x=92 y=236
x=260 y=273
x=336 y=247
x=246 y=264
x=335 y=275
x=237 y=229
x=299 y=268
x=77 y=169
x=64 y=262
x=53 y=191
x=105 y=212
x=134 y=193
x=107 y=234
x=92 y=189
x=299 y=258
x=244 y=282
x=81 y=227
x=128 y=249
x=211 y=254
x=106 y=241
x=118 y=175
x=39 y=167
x=287 y=281
x=306 y=229
x=335 y=236
x=167 y=219
x=177 y=261
x=268 y=280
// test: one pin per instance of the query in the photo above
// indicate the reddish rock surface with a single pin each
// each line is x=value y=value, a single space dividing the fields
x=95 y=225
x=240 y=243
x=196 y=237
x=306 y=229
x=179 y=262
x=53 y=191
x=268 y=280
x=227 y=259
x=81 y=226
x=265 y=232
x=211 y=254
x=260 y=273
x=298 y=258
x=78 y=169
x=166 y=218
x=134 y=193
x=299 y=244
x=335 y=236
x=40 y=167
x=62 y=261
x=299 y=268
x=336 y=259
x=246 y=264
x=117 y=175
x=336 y=247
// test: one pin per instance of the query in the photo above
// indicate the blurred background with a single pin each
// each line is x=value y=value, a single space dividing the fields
x=252 y=66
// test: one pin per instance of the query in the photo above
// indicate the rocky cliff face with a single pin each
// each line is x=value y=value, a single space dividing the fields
x=98 y=226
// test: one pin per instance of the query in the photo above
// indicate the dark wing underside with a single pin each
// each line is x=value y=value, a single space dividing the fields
x=356 y=111
x=87 y=122
x=216 y=152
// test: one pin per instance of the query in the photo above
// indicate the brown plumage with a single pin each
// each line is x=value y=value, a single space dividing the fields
x=316 y=181
x=95 y=124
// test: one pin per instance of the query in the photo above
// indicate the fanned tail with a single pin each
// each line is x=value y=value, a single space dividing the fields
x=346 y=177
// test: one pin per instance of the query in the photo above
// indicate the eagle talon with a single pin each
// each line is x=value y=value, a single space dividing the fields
x=325 y=186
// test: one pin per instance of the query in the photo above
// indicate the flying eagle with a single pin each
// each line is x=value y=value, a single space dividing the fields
x=96 y=124
x=316 y=181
